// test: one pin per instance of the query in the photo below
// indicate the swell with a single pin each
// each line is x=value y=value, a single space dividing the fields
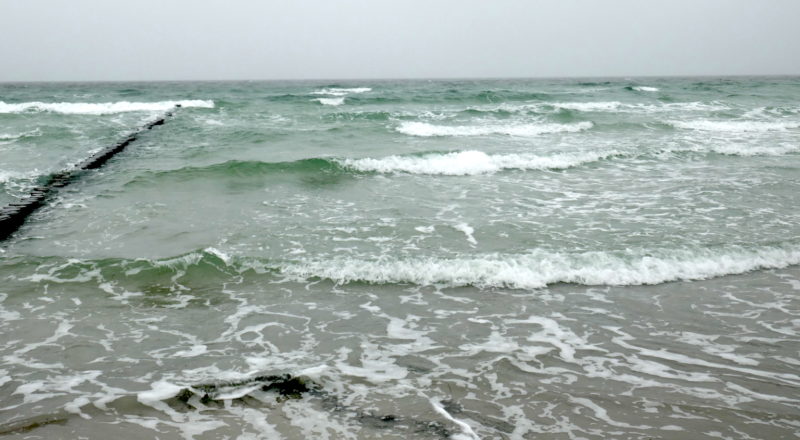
x=437 y=163
x=536 y=269
x=470 y=162
x=242 y=169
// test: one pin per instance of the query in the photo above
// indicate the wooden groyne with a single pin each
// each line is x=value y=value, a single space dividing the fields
x=14 y=215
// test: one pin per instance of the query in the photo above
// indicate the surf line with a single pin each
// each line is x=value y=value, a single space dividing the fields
x=14 y=215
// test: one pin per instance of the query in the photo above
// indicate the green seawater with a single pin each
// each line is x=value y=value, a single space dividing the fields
x=564 y=258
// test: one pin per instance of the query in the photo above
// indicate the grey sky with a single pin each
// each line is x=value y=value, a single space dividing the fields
x=236 y=39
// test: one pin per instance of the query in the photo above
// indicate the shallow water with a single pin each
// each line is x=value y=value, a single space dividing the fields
x=434 y=259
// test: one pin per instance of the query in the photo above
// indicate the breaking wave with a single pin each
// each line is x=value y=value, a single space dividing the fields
x=424 y=129
x=471 y=162
x=100 y=108
x=534 y=270
x=541 y=268
x=331 y=101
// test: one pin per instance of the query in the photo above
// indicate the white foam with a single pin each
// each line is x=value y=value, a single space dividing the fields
x=471 y=162
x=424 y=129
x=645 y=89
x=331 y=101
x=13 y=137
x=466 y=431
x=736 y=126
x=540 y=268
x=161 y=390
x=8 y=176
x=100 y=108
x=468 y=231
x=601 y=414
x=195 y=350
x=338 y=91
x=314 y=423
x=737 y=149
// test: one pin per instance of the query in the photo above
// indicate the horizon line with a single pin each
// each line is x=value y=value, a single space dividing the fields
x=433 y=78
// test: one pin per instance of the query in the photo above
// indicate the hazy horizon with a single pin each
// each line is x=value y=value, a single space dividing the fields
x=92 y=40
x=388 y=79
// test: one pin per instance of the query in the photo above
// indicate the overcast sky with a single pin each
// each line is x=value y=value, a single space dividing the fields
x=327 y=39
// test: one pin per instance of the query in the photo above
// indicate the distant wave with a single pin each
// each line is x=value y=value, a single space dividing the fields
x=427 y=130
x=360 y=115
x=100 y=108
x=471 y=162
x=642 y=88
x=331 y=101
x=339 y=91
x=589 y=106
x=541 y=268
x=736 y=126
x=738 y=149
x=508 y=109
x=612 y=106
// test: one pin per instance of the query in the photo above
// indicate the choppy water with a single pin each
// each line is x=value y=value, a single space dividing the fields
x=434 y=259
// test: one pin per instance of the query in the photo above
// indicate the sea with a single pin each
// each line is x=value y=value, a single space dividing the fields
x=404 y=259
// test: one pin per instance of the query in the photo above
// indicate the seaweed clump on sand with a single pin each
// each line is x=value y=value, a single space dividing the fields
x=286 y=386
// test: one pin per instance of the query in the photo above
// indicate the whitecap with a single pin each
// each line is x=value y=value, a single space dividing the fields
x=331 y=101
x=100 y=108
x=471 y=162
x=645 y=89
x=424 y=129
